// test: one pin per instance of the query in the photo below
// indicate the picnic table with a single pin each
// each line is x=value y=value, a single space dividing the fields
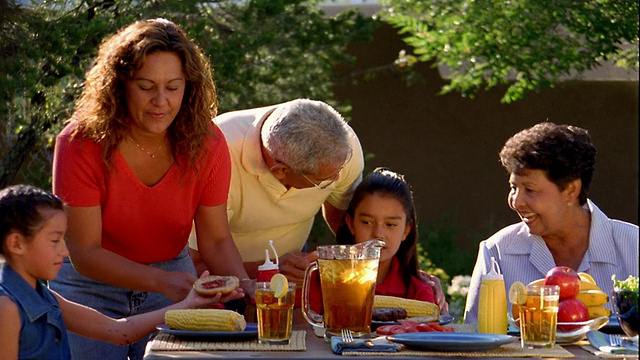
x=317 y=348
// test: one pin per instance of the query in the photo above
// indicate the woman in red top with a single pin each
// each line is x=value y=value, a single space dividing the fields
x=382 y=207
x=139 y=163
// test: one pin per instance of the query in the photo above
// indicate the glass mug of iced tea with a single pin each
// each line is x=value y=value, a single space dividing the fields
x=348 y=279
x=539 y=316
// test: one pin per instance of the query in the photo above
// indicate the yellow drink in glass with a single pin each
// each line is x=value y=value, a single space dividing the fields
x=539 y=316
x=275 y=316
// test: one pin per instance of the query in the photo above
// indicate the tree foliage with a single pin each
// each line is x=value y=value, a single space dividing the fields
x=528 y=44
x=262 y=51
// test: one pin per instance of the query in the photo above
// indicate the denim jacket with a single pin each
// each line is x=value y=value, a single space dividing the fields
x=42 y=331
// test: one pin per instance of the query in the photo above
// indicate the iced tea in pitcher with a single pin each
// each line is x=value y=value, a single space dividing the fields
x=348 y=276
x=348 y=288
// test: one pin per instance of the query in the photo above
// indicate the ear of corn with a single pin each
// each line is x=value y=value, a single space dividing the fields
x=205 y=320
x=414 y=308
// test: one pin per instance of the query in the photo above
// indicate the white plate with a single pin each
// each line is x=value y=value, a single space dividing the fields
x=250 y=333
x=444 y=341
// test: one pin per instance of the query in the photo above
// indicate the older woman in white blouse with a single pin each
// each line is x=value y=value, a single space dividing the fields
x=550 y=169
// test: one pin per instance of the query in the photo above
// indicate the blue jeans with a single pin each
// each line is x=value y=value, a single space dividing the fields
x=114 y=302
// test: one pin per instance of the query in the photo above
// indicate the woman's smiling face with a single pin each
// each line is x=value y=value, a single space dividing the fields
x=382 y=217
x=539 y=202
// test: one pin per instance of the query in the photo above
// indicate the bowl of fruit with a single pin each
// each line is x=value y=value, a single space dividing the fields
x=580 y=305
x=625 y=301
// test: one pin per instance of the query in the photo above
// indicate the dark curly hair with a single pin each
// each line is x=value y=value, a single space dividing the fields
x=101 y=112
x=385 y=182
x=19 y=210
x=564 y=152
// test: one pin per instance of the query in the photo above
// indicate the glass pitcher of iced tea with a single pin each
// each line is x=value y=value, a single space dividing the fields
x=348 y=279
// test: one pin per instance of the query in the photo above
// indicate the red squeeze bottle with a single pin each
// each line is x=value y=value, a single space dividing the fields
x=269 y=268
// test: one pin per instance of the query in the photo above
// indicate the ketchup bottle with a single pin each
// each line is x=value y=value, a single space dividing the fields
x=269 y=268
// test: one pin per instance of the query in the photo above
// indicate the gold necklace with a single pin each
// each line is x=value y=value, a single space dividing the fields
x=151 y=154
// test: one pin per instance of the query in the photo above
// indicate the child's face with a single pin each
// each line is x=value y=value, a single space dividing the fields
x=45 y=252
x=380 y=217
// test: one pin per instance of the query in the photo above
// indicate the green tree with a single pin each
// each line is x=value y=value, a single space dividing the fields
x=262 y=51
x=528 y=44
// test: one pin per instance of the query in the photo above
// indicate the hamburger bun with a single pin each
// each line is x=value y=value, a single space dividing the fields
x=213 y=284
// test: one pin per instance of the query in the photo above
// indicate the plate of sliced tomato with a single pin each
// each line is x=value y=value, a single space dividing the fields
x=444 y=320
x=409 y=326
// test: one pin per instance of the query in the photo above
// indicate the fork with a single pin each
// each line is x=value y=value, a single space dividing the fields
x=615 y=340
x=347 y=336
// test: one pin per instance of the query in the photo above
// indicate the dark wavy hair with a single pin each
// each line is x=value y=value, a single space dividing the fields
x=564 y=152
x=383 y=181
x=101 y=112
x=19 y=210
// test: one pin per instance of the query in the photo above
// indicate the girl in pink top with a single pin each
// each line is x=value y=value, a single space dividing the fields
x=382 y=207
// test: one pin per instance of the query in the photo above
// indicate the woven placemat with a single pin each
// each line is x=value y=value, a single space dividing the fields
x=463 y=328
x=606 y=355
x=169 y=342
x=513 y=350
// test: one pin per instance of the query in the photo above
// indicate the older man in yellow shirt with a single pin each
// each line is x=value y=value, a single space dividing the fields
x=289 y=161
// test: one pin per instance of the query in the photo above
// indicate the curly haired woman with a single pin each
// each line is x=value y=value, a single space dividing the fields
x=138 y=163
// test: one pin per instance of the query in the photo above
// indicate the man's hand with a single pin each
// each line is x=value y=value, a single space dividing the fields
x=294 y=264
x=434 y=282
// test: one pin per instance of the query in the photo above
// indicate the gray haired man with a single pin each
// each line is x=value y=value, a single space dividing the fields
x=289 y=161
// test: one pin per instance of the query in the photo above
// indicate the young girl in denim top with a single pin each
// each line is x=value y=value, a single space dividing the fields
x=34 y=319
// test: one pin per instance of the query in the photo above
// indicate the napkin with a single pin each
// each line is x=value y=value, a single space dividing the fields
x=601 y=342
x=379 y=344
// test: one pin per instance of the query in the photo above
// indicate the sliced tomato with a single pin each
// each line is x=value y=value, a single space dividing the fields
x=385 y=329
x=409 y=324
x=398 y=329
x=438 y=327
x=425 y=328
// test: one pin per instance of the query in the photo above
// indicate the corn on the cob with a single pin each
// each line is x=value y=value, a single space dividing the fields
x=205 y=320
x=414 y=308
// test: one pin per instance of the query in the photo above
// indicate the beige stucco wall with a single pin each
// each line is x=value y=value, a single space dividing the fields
x=447 y=146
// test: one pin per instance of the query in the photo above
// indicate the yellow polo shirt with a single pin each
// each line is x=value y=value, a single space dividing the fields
x=259 y=207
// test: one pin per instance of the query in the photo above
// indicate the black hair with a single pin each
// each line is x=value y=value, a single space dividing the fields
x=564 y=152
x=388 y=183
x=19 y=210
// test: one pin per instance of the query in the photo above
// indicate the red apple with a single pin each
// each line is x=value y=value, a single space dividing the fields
x=571 y=310
x=566 y=278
